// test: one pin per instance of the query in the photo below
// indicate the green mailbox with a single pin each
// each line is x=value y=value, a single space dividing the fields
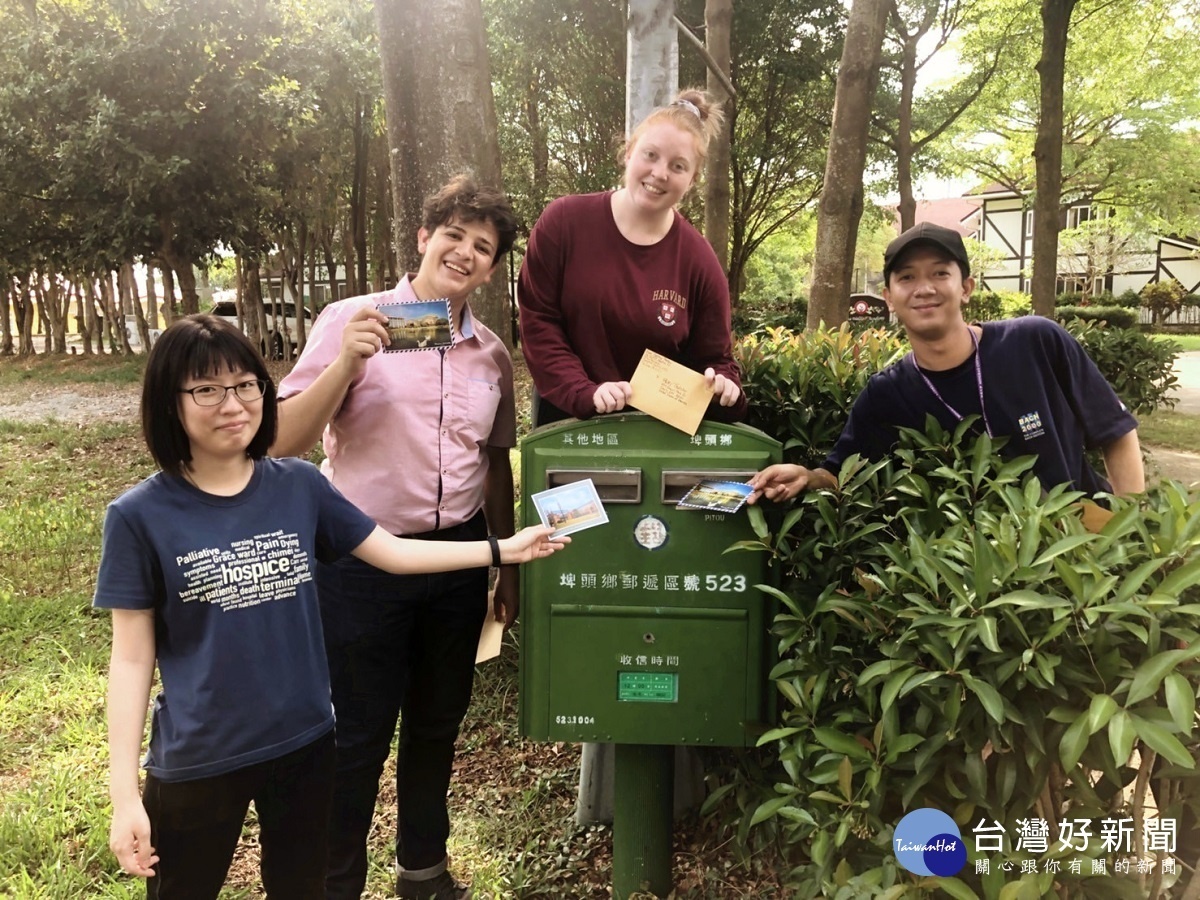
x=644 y=631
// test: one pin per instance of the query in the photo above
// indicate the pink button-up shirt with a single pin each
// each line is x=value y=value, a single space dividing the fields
x=408 y=445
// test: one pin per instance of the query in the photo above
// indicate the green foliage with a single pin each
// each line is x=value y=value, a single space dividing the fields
x=1115 y=316
x=954 y=637
x=789 y=313
x=1128 y=299
x=1140 y=369
x=801 y=385
x=987 y=306
x=1163 y=298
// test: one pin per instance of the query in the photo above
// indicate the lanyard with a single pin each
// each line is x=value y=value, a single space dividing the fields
x=958 y=417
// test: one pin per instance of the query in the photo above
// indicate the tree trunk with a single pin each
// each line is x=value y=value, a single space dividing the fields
x=43 y=323
x=172 y=312
x=1047 y=153
x=538 y=141
x=718 y=22
x=151 y=298
x=23 y=301
x=651 y=59
x=185 y=274
x=131 y=301
x=904 y=141
x=6 y=308
x=441 y=118
x=55 y=314
x=358 y=193
x=353 y=286
x=842 y=196
x=85 y=315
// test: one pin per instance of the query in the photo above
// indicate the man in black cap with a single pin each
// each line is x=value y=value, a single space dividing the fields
x=1026 y=379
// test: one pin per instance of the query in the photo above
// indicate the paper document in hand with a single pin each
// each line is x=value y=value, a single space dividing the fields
x=670 y=392
x=720 y=496
x=570 y=507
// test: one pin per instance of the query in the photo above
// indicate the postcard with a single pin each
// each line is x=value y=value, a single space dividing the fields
x=570 y=507
x=720 y=496
x=418 y=325
x=670 y=392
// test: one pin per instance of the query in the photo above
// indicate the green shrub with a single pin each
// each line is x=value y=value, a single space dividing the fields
x=1191 y=300
x=781 y=312
x=1140 y=369
x=1128 y=299
x=801 y=385
x=1162 y=298
x=1115 y=316
x=952 y=637
x=1069 y=298
x=988 y=306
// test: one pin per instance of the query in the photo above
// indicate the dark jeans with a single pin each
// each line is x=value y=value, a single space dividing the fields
x=397 y=644
x=195 y=825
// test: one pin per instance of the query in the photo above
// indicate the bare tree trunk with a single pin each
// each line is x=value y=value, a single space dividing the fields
x=841 y=199
x=171 y=310
x=130 y=301
x=39 y=293
x=353 y=286
x=185 y=274
x=114 y=320
x=441 y=118
x=1047 y=153
x=904 y=141
x=330 y=265
x=718 y=22
x=151 y=297
x=358 y=194
x=23 y=307
x=85 y=313
x=56 y=300
x=6 y=308
x=651 y=58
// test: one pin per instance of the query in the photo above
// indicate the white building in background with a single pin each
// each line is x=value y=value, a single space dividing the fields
x=1006 y=225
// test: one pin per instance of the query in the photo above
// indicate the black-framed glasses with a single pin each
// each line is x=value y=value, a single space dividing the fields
x=214 y=394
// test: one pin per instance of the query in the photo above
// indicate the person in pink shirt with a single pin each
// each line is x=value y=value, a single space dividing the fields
x=609 y=275
x=418 y=440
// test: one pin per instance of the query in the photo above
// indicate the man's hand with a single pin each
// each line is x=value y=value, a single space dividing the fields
x=506 y=598
x=783 y=481
x=612 y=396
x=726 y=390
x=364 y=335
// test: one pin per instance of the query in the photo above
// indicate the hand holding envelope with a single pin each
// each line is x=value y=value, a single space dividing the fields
x=670 y=392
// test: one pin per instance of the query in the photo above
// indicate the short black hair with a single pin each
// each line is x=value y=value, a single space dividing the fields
x=197 y=346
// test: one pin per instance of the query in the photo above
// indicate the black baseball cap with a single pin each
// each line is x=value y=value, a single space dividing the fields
x=946 y=239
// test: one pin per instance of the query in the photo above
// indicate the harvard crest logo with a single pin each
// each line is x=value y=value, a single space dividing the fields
x=669 y=304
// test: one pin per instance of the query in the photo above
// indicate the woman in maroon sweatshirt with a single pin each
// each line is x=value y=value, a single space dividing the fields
x=608 y=275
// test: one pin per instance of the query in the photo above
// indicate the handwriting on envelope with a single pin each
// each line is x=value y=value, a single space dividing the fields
x=670 y=392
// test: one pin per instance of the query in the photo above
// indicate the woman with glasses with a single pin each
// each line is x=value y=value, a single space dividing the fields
x=208 y=568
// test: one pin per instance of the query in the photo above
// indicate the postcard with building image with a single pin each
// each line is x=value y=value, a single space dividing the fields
x=570 y=507
x=719 y=496
x=418 y=325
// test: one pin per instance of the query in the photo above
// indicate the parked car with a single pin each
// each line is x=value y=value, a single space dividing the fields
x=271 y=344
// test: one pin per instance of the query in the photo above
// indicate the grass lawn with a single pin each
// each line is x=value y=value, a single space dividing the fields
x=512 y=800
x=1173 y=430
x=1186 y=342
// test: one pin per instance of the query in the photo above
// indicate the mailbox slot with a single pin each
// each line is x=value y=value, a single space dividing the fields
x=612 y=485
x=677 y=482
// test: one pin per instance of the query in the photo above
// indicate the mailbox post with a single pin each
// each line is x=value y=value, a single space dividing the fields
x=645 y=633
